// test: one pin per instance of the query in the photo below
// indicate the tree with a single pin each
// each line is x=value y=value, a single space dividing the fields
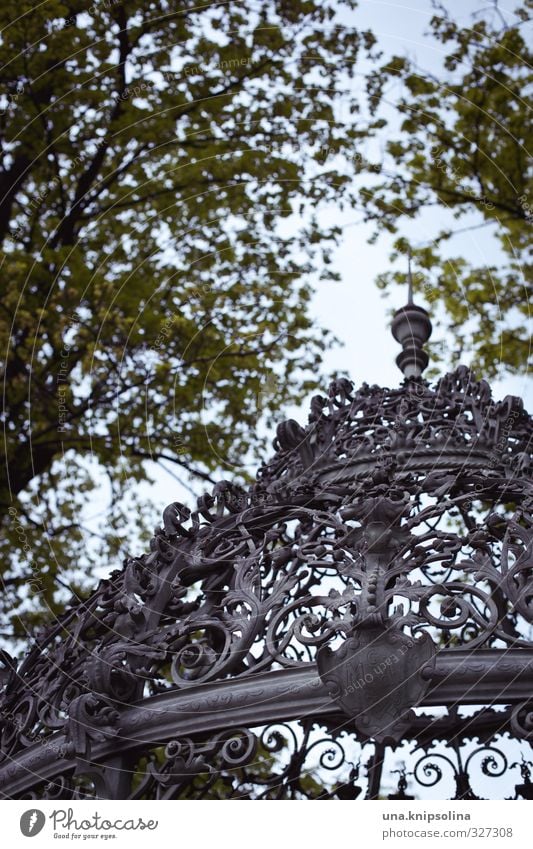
x=150 y=153
x=461 y=147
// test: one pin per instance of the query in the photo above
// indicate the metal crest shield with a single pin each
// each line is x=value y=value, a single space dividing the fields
x=376 y=676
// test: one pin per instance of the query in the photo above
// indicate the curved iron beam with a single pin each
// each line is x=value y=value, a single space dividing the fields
x=461 y=677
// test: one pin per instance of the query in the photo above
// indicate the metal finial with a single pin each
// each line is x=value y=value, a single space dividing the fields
x=411 y=327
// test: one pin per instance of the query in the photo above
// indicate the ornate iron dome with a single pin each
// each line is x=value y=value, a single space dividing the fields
x=355 y=624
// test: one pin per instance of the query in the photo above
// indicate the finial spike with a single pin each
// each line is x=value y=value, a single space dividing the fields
x=409 y=279
x=411 y=327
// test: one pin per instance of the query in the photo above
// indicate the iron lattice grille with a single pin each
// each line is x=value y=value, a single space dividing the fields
x=382 y=560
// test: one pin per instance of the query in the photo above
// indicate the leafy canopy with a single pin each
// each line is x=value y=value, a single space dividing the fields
x=153 y=304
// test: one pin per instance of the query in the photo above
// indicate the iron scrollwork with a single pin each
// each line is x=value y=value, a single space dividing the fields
x=395 y=529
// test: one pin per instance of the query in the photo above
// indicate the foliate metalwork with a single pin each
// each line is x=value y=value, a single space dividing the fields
x=381 y=563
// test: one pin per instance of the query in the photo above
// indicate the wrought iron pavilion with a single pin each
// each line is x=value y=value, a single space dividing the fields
x=357 y=623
